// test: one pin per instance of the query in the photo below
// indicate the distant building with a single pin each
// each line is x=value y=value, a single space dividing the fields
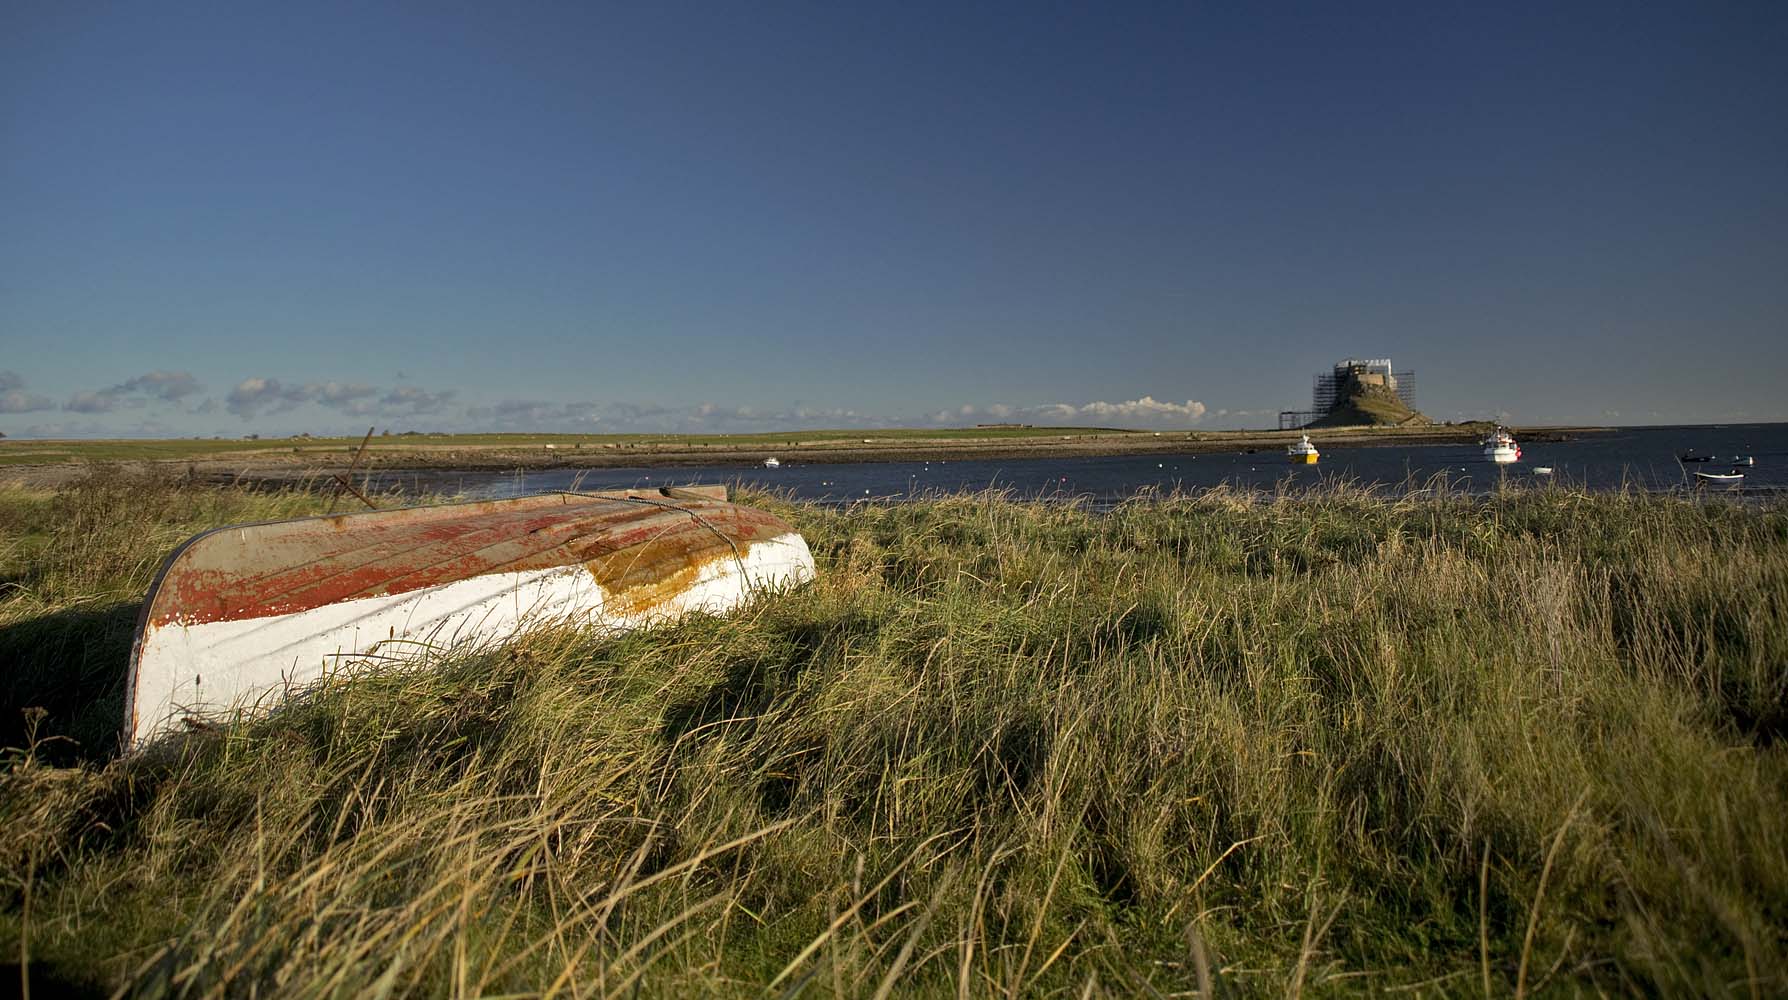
x=1331 y=387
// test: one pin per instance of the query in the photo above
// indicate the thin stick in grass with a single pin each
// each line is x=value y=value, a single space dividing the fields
x=1539 y=893
x=1483 y=921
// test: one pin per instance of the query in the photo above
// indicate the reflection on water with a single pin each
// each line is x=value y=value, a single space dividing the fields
x=1642 y=458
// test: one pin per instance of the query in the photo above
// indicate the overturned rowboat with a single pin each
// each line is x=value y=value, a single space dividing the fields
x=1720 y=478
x=241 y=615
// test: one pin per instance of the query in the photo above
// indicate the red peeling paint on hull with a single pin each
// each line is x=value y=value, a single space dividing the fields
x=285 y=567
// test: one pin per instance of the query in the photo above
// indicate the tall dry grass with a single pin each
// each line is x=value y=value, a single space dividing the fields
x=1238 y=745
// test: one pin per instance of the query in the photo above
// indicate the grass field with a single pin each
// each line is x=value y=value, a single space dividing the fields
x=1235 y=745
x=30 y=452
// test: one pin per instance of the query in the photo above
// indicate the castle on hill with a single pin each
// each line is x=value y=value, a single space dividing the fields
x=1358 y=391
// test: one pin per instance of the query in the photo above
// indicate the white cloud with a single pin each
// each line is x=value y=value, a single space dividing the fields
x=19 y=401
x=134 y=393
x=1146 y=411
x=707 y=417
x=536 y=414
x=409 y=400
x=102 y=401
x=86 y=429
x=171 y=386
x=14 y=398
x=343 y=393
x=252 y=395
x=711 y=417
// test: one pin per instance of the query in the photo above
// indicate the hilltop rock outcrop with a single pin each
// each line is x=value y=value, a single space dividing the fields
x=1372 y=406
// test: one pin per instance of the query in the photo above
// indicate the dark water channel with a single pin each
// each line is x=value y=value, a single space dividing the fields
x=1634 y=457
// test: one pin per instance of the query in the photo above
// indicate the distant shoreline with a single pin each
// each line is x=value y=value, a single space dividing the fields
x=304 y=460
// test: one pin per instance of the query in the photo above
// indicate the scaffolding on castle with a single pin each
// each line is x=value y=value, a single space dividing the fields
x=1327 y=387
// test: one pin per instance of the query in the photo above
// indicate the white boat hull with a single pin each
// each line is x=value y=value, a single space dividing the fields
x=242 y=616
x=214 y=669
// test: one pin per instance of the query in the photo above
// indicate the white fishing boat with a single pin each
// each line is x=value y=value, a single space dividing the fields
x=1501 y=447
x=1720 y=478
x=1303 y=452
x=772 y=463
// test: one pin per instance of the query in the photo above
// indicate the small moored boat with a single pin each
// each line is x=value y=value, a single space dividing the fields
x=1303 y=452
x=242 y=614
x=1720 y=478
x=772 y=463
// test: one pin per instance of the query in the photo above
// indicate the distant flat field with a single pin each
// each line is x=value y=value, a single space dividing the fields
x=26 y=452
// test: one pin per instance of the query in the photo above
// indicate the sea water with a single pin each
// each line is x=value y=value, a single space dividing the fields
x=1637 y=458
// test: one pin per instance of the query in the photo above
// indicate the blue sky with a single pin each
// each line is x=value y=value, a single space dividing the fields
x=231 y=218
